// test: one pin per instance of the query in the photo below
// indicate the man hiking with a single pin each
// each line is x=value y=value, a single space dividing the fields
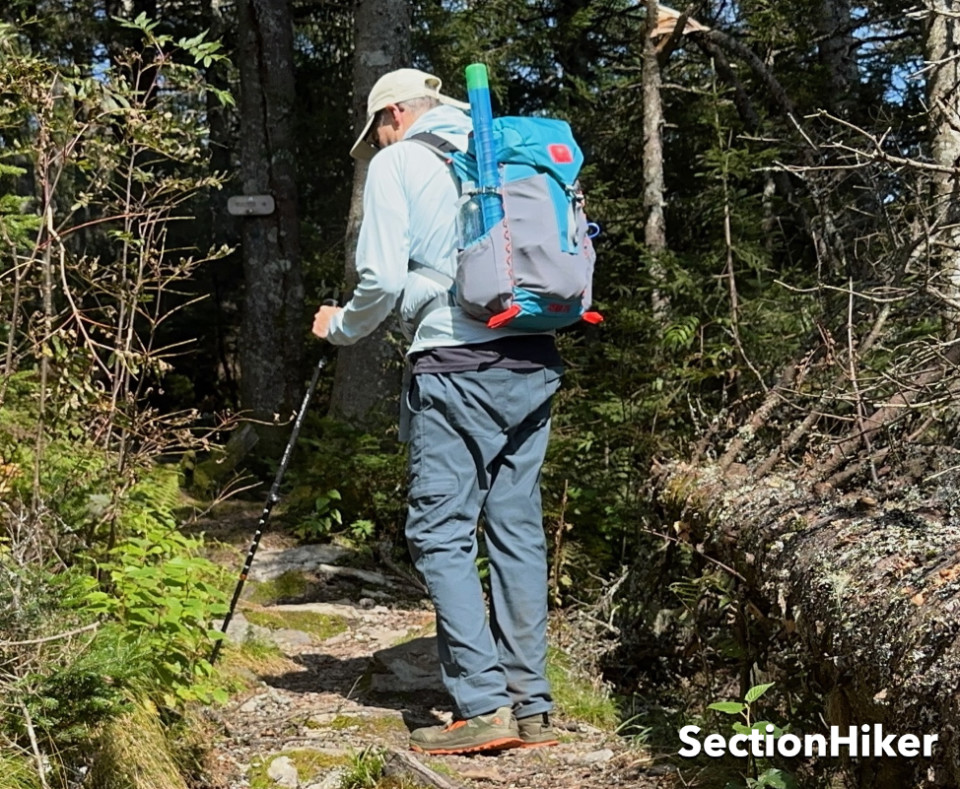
x=478 y=404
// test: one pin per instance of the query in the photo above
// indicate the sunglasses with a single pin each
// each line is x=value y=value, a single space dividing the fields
x=372 y=137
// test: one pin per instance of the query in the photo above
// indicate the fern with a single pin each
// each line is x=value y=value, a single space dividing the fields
x=680 y=334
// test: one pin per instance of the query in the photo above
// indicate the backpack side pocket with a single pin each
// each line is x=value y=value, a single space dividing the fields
x=484 y=285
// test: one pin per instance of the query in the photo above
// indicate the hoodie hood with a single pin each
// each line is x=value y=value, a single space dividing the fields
x=453 y=124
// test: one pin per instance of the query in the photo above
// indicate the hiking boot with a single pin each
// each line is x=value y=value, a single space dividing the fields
x=536 y=731
x=494 y=732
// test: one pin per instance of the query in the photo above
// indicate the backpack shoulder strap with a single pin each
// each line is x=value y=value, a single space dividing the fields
x=442 y=148
x=434 y=142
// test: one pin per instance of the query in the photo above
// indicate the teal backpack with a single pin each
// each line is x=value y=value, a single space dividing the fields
x=533 y=270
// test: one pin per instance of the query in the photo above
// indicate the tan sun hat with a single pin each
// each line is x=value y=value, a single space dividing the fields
x=401 y=85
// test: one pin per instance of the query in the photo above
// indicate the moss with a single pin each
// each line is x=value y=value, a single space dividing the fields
x=426 y=631
x=442 y=768
x=291 y=585
x=133 y=753
x=243 y=663
x=578 y=696
x=366 y=772
x=309 y=765
x=192 y=739
x=320 y=626
x=17 y=773
x=379 y=726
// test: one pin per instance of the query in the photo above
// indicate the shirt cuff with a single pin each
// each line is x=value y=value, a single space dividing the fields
x=335 y=335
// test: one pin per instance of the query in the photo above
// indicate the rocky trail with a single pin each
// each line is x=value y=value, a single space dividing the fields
x=337 y=661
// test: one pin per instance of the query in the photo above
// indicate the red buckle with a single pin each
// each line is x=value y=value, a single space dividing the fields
x=502 y=318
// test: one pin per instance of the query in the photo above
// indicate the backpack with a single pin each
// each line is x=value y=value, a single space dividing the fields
x=533 y=270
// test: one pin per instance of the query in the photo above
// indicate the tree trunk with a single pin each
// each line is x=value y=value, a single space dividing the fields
x=223 y=279
x=943 y=91
x=655 y=227
x=367 y=379
x=866 y=590
x=838 y=48
x=273 y=328
x=863 y=586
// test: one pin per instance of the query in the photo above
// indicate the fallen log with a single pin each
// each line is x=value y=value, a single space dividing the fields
x=867 y=585
x=403 y=766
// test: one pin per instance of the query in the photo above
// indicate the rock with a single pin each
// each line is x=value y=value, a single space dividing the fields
x=254 y=703
x=595 y=757
x=410 y=667
x=284 y=772
x=239 y=629
x=331 y=780
x=303 y=558
x=385 y=637
x=348 y=611
x=288 y=639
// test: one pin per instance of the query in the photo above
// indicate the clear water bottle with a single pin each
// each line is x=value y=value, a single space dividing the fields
x=469 y=217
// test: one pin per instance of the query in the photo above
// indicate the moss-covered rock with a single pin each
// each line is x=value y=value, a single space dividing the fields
x=309 y=763
x=379 y=726
x=291 y=585
x=133 y=753
x=319 y=626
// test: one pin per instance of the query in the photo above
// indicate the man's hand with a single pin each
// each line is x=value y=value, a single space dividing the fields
x=321 y=321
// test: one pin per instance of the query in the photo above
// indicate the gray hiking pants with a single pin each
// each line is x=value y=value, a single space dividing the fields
x=477 y=442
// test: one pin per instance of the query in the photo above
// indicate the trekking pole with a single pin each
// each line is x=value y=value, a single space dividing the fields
x=272 y=498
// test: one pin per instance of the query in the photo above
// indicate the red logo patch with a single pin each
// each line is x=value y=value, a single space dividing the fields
x=560 y=153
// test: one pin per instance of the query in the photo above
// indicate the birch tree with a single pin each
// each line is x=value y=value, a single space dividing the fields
x=943 y=81
x=655 y=229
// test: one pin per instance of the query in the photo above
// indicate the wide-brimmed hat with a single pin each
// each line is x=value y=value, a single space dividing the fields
x=401 y=85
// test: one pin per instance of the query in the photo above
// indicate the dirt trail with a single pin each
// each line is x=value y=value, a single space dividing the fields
x=359 y=670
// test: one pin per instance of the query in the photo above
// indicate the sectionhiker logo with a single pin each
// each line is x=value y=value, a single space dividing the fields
x=865 y=740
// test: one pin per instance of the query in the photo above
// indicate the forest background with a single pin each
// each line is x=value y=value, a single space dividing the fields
x=752 y=476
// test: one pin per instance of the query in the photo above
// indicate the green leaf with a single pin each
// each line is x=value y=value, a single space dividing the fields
x=757 y=691
x=761 y=726
x=777 y=779
x=728 y=707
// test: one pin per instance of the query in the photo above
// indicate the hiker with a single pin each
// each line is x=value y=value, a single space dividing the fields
x=477 y=421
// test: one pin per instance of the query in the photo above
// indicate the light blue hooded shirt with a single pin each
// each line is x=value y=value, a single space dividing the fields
x=409 y=213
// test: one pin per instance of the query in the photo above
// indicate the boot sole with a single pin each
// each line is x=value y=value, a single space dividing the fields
x=502 y=744
x=543 y=744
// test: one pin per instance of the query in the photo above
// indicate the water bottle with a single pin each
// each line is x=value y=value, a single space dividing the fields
x=470 y=225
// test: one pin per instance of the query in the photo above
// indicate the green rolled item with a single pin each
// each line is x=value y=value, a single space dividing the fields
x=476 y=74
